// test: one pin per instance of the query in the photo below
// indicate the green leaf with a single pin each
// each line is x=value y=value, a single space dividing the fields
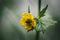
x=28 y=9
x=42 y=27
x=37 y=21
x=42 y=12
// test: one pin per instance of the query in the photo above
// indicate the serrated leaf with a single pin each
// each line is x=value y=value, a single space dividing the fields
x=42 y=12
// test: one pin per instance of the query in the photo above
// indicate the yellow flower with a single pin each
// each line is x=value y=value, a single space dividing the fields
x=28 y=20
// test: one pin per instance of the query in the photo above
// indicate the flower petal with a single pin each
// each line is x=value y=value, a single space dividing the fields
x=22 y=21
x=28 y=27
x=34 y=23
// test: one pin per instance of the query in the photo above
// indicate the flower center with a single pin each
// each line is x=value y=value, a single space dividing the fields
x=29 y=21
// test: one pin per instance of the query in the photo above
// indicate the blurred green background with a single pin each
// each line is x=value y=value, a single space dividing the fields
x=10 y=14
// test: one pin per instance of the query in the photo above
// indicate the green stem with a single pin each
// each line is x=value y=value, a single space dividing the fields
x=39 y=7
x=37 y=35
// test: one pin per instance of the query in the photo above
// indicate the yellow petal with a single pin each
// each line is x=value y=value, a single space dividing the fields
x=27 y=15
x=22 y=21
x=24 y=14
x=34 y=23
x=28 y=27
x=31 y=16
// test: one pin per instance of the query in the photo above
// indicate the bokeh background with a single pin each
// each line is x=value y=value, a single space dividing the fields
x=10 y=14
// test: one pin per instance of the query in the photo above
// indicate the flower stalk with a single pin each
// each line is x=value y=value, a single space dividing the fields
x=39 y=8
x=37 y=35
